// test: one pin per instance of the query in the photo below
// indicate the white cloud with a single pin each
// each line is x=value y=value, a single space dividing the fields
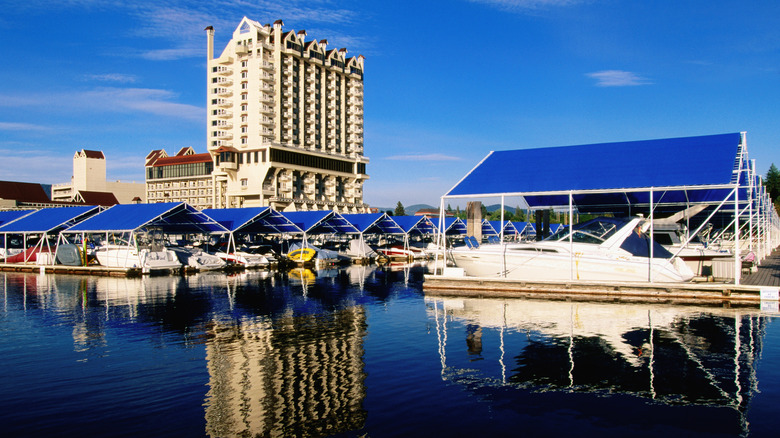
x=111 y=99
x=13 y=126
x=423 y=157
x=526 y=5
x=36 y=166
x=111 y=77
x=617 y=78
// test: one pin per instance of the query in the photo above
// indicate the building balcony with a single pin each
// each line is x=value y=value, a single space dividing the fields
x=220 y=143
x=227 y=165
x=223 y=81
x=226 y=60
x=268 y=189
x=223 y=71
x=223 y=92
x=224 y=114
x=266 y=121
x=267 y=77
x=265 y=65
x=224 y=135
x=224 y=103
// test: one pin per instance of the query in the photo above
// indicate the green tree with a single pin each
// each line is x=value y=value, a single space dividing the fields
x=399 y=210
x=773 y=182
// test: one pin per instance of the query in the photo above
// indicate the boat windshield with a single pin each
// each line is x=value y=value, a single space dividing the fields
x=593 y=231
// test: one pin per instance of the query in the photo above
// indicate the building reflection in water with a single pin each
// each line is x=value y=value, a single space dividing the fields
x=670 y=354
x=290 y=375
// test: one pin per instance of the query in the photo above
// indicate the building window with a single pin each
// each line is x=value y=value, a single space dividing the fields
x=244 y=182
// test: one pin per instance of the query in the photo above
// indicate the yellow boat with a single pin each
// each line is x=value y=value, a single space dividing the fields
x=302 y=254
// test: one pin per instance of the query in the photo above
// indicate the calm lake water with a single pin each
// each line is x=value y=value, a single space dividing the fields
x=361 y=351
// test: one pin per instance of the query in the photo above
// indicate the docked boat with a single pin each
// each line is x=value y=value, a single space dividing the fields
x=696 y=254
x=602 y=249
x=401 y=252
x=148 y=260
x=197 y=259
x=243 y=258
x=311 y=254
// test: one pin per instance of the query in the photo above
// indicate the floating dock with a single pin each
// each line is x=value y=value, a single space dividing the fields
x=63 y=269
x=756 y=287
x=441 y=285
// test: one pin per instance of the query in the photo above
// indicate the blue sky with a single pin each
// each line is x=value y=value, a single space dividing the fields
x=446 y=82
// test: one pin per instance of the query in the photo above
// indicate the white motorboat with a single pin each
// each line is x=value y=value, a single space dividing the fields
x=602 y=249
x=696 y=254
x=148 y=260
x=243 y=258
x=198 y=259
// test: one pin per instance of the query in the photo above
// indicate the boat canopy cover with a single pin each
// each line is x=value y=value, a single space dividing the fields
x=509 y=228
x=544 y=176
x=171 y=217
x=454 y=225
x=12 y=215
x=419 y=224
x=320 y=222
x=50 y=219
x=264 y=220
x=376 y=223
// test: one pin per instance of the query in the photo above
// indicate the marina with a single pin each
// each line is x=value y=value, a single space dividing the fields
x=361 y=350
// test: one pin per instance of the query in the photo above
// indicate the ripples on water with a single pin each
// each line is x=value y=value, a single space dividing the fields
x=361 y=352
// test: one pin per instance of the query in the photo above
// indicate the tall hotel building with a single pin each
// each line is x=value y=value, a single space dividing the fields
x=285 y=122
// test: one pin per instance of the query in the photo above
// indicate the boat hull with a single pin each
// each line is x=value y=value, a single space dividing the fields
x=540 y=266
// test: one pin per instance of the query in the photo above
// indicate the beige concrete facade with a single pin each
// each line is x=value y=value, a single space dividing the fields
x=89 y=175
x=184 y=177
x=285 y=122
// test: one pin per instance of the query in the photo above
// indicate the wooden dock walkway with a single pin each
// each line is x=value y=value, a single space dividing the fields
x=768 y=273
x=750 y=289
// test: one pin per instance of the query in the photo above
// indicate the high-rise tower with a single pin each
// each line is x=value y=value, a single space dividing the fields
x=285 y=121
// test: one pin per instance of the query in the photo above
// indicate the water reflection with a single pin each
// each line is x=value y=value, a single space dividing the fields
x=283 y=350
x=672 y=355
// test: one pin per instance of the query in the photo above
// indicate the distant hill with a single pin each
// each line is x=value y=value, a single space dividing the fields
x=409 y=210
x=412 y=209
x=495 y=207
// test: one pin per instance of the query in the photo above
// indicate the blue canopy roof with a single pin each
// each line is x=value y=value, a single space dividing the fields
x=320 y=222
x=12 y=215
x=263 y=220
x=626 y=170
x=419 y=224
x=509 y=227
x=49 y=220
x=172 y=217
x=454 y=225
x=377 y=223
